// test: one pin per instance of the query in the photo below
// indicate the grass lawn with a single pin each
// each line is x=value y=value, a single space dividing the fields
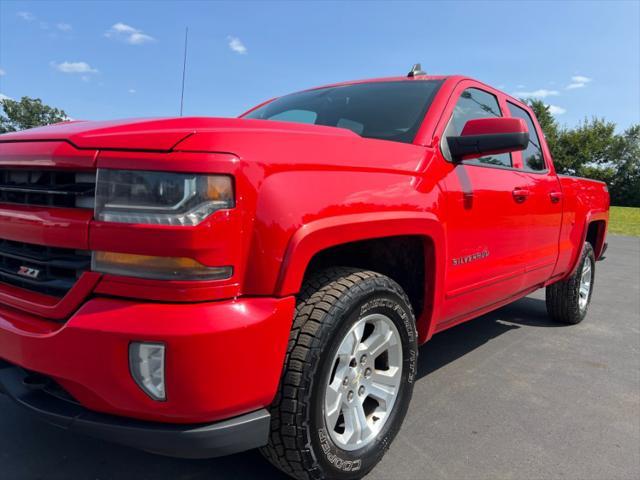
x=624 y=221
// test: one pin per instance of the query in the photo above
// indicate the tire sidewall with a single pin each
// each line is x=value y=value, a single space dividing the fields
x=587 y=256
x=343 y=464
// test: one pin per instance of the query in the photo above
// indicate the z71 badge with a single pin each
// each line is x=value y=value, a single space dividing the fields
x=471 y=258
x=29 y=272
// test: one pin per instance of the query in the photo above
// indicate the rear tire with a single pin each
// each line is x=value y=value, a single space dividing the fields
x=336 y=324
x=568 y=300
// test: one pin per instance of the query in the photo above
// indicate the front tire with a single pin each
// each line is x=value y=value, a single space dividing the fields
x=348 y=376
x=568 y=300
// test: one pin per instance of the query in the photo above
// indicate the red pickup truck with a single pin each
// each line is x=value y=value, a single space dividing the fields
x=201 y=286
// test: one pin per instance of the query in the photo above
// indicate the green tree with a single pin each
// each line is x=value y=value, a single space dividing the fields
x=593 y=149
x=28 y=113
x=591 y=144
x=625 y=186
x=547 y=121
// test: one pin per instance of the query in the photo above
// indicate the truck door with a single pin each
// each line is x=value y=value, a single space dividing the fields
x=486 y=222
x=543 y=204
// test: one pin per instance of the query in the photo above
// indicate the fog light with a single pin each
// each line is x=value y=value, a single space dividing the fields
x=146 y=362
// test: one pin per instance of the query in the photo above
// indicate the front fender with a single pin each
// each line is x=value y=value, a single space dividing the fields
x=319 y=235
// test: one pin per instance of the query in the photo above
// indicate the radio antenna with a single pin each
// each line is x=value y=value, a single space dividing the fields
x=184 y=68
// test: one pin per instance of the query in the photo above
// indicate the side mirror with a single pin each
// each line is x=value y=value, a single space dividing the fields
x=489 y=136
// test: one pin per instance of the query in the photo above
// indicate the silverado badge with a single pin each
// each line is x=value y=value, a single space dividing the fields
x=471 y=258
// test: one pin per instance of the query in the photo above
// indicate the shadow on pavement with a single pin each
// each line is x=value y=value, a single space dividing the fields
x=63 y=455
x=452 y=344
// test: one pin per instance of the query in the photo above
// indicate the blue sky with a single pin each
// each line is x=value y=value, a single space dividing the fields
x=100 y=60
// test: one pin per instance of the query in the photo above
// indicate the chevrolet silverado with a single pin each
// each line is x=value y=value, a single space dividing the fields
x=196 y=287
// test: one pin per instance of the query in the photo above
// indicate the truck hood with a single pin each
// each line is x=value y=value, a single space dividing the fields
x=161 y=134
x=282 y=145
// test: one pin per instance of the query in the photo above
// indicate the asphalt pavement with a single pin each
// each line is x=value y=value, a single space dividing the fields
x=509 y=395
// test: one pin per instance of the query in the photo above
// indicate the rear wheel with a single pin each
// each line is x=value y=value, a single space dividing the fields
x=348 y=377
x=568 y=300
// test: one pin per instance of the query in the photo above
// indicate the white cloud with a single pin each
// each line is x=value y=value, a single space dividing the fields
x=578 y=81
x=128 y=34
x=27 y=16
x=140 y=38
x=123 y=28
x=541 y=93
x=236 y=45
x=4 y=97
x=30 y=17
x=2 y=72
x=85 y=78
x=556 y=110
x=74 y=67
x=132 y=90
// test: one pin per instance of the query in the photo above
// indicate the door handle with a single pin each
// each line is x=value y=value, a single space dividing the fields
x=520 y=194
x=555 y=197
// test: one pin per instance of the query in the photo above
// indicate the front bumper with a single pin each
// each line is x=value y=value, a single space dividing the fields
x=223 y=359
x=241 y=433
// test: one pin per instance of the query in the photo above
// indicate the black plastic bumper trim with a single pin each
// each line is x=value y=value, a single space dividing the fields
x=184 y=441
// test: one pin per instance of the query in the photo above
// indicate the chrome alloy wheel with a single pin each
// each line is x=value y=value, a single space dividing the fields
x=364 y=382
x=585 y=284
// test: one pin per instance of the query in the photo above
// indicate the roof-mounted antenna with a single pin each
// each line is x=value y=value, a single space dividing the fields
x=184 y=68
x=416 y=70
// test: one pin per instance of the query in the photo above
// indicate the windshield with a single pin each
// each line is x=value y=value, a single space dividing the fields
x=383 y=110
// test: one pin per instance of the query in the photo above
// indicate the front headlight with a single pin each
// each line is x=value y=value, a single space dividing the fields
x=159 y=198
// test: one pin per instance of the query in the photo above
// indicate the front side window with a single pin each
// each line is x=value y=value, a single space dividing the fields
x=383 y=110
x=475 y=103
x=532 y=157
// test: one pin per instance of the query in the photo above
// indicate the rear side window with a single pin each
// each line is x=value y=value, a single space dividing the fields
x=532 y=157
x=474 y=103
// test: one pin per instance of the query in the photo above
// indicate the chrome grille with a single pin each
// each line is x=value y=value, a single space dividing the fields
x=52 y=188
x=48 y=270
